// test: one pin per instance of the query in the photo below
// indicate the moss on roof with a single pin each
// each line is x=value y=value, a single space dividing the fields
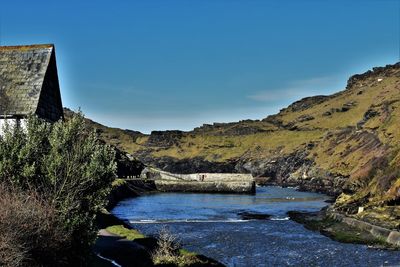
x=26 y=47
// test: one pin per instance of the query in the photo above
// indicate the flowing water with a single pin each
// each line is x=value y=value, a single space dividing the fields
x=209 y=224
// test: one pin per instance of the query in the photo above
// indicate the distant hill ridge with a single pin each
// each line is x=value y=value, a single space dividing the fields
x=344 y=144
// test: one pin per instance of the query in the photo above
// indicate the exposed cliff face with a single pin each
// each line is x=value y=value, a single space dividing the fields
x=347 y=143
x=193 y=165
x=164 y=138
x=295 y=169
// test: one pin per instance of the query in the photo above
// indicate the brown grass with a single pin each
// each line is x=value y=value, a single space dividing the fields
x=167 y=248
x=30 y=235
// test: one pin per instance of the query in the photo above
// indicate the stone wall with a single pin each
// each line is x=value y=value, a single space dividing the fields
x=208 y=177
x=11 y=122
x=50 y=105
x=237 y=187
x=390 y=236
x=201 y=182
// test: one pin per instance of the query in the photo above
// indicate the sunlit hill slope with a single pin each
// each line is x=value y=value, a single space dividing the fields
x=344 y=144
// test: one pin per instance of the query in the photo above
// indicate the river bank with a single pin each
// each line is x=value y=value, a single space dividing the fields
x=121 y=245
x=118 y=244
x=347 y=230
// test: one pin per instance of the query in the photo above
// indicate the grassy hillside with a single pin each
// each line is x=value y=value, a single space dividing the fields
x=350 y=127
x=125 y=140
x=353 y=134
x=294 y=126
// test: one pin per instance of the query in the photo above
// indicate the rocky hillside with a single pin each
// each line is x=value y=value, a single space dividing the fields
x=344 y=144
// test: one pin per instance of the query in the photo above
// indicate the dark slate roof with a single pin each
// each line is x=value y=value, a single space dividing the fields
x=22 y=75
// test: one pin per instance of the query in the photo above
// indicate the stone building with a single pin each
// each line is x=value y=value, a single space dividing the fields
x=29 y=84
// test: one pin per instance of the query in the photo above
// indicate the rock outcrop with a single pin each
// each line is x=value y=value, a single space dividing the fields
x=193 y=165
x=164 y=138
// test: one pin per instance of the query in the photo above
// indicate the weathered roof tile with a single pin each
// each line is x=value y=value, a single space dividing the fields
x=22 y=73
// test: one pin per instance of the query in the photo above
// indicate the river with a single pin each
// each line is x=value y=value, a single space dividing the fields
x=209 y=224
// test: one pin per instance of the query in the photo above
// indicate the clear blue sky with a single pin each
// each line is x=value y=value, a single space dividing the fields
x=155 y=65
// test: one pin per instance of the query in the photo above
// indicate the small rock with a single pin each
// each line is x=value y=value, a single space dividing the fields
x=254 y=216
x=304 y=118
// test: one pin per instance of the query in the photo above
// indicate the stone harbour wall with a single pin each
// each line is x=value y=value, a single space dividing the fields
x=390 y=236
x=208 y=177
x=205 y=187
x=200 y=182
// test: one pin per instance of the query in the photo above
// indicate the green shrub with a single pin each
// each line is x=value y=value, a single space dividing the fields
x=66 y=165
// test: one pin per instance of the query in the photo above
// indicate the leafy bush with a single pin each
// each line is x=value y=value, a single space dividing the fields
x=66 y=165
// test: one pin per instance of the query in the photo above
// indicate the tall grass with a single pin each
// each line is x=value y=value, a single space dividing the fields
x=31 y=233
